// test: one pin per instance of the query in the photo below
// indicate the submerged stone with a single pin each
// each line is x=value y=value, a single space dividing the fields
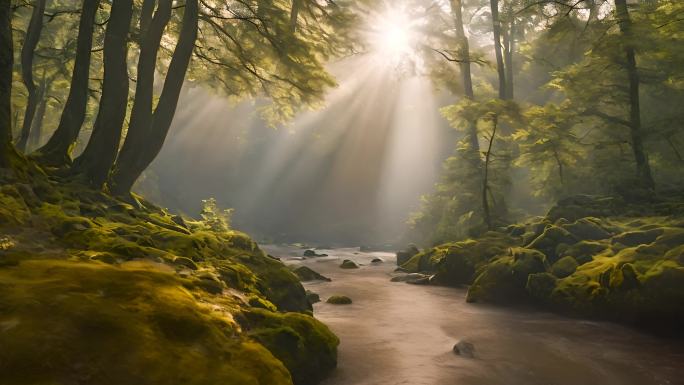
x=349 y=264
x=464 y=349
x=339 y=300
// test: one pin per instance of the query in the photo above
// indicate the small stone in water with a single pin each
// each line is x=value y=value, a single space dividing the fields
x=464 y=349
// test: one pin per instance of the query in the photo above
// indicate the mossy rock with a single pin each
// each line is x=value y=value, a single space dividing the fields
x=634 y=238
x=339 y=300
x=589 y=229
x=305 y=345
x=305 y=274
x=404 y=255
x=584 y=251
x=120 y=325
x=540 y=286
x=564 y=267
x=349 y=264
x=312 y=297
x=549 y=240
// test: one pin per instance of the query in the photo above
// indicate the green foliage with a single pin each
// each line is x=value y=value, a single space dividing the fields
x=214 y=218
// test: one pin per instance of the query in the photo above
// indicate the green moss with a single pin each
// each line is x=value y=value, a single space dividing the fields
x=564 y=267
x=13 y=209
x=339 y=300
x=133 y=324
x=305 y=345
x=549 y=240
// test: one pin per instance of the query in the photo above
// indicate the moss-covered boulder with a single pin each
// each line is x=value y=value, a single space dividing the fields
x=550 y=239
x=349 y=264
x=404 y=255
x=134 y=324
x=588 y=229
x=564 y=267
x=305 y=274
x=634 y=238
x=339 y=300
x=307 y=348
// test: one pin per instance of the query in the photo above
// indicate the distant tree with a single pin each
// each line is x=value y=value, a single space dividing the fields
x=6 y=63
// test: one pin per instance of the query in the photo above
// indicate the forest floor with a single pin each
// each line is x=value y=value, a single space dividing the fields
x=397 y=333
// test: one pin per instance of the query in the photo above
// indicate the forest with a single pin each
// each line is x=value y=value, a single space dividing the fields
x=343 y=192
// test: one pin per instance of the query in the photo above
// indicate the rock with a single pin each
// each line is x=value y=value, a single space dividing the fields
x=349 y=264
x=587 y=229
x=634 y=238
x=464 y=349
x=339 y=300
x=377 y=260
x=307 y=274
x=177 y=219
x=584 y=251
x=549 y=240
x=404 y=255
x=413 y=278
x=312 y=297
x=107 y=258
x=541 y=285
x=564 y=267
x=312 y=253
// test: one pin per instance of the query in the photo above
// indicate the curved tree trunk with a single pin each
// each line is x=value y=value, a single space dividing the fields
x=141 y=114
x=97 y=158
x=56 y=150
x=35 y=27
x=142 y=153
x=643 y=169
x=6 y=61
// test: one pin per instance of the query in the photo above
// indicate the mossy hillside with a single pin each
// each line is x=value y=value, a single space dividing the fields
x=103 y=291
x=628 y=268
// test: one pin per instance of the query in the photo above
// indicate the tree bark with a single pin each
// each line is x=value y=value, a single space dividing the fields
x=37 y=126
x=464 y=66
x=97 y=158
x=643 y=169
x=294 y=15
x=141 y=114
x=509 y=46
x=129 y=168
x=485 y=180
x=6 y=62
x=57 y=150
x=496 y=29
x=35 y=27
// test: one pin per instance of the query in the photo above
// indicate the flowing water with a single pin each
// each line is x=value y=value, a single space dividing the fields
x=396 y=333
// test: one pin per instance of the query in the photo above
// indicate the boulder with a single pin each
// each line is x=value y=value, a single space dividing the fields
x=413 y=278
x=312 y=297
x=404 y=255
x=464 y=349
x=564 y=267
x=349 y=264
x=339 y=300
x=584 y=251
x=549 y=240
x=587 y=229
x=312 y=253
x=635 y=238
x=307 y=274
x=377 y=260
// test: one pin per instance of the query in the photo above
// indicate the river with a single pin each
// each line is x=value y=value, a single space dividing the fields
x=395 y=333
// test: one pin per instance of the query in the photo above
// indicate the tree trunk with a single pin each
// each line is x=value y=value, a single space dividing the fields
x=144 y=152
x=464 y=66
x=97 y=158
x=6 y=62
x=37 y=126
x=35 y=27
x=141 y=114
x=496 y=28
x=643 y=169
x=485 y=180
x=294 y=15
x=56 y=150
x=509 y=38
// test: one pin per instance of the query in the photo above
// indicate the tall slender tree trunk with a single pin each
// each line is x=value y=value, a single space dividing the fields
x=97 y=158
x=496 y=29
x=464 y=66
x=129 y=169
x=35 y=27
x=6 y=62
x=643 y=169
x=57 y=150
x=37 y=126
x=509 y=48
x=294 y=15
x=141 y=113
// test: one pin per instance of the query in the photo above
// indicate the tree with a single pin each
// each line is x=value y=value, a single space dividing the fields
x=27 y=54
x=148 y=131
x=57 y=150
x=643 y=169
x=97 y=158
x=6 y=62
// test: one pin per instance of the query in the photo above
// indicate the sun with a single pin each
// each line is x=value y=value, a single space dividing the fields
x=392 y=35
